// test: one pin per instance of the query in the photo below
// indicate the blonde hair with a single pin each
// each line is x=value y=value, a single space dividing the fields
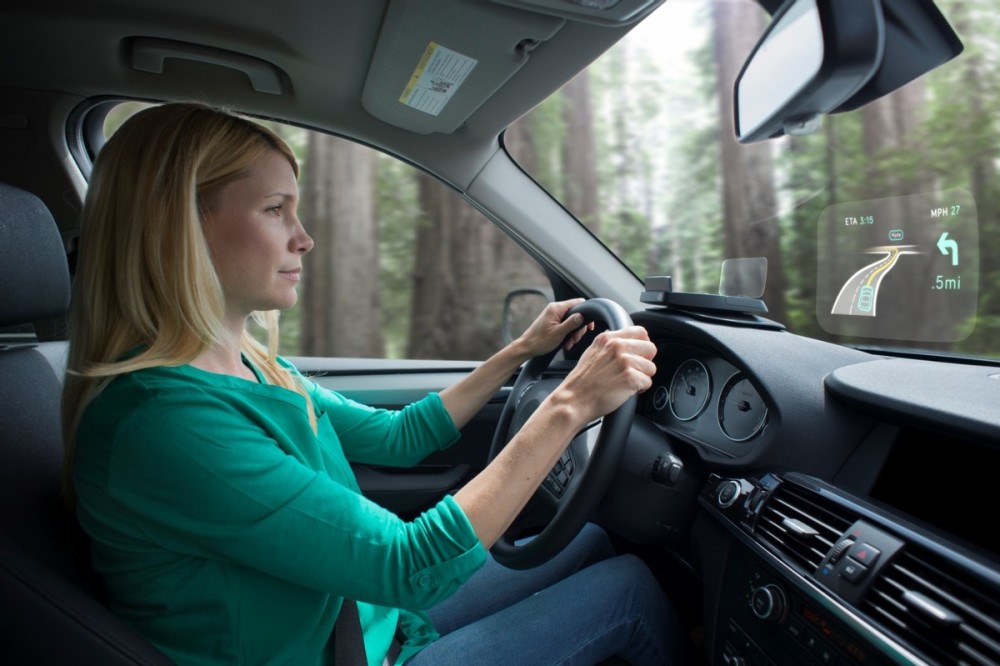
x=146 y=292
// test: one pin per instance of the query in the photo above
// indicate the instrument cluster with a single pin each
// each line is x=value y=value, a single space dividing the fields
x=705 y=399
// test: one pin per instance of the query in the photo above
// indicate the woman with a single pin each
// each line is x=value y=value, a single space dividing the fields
x=214 y=479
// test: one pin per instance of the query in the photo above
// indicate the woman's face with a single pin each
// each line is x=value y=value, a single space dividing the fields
x=256 y=238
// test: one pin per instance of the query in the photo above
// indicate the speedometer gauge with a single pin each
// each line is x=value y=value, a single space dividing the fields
x=742 y=412
x=689 y=389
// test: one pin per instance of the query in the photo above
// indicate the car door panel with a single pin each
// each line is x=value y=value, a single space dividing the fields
x=392 y=384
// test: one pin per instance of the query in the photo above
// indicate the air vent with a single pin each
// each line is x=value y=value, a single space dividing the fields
x=930 y=604
x=801 y=525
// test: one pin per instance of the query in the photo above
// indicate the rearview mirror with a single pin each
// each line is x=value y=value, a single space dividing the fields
x=813 y=57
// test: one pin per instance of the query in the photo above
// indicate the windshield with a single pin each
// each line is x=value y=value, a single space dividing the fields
x=879 y=229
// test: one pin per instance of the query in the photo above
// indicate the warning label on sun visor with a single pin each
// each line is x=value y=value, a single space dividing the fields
x=437 y=77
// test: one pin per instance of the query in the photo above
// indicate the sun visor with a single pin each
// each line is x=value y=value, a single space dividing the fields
x=434 y=64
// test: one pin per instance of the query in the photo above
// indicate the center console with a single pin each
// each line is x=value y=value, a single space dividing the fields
x=814 y=577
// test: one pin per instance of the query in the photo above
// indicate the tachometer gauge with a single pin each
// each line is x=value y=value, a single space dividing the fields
x=689 y=390
x=742 y=412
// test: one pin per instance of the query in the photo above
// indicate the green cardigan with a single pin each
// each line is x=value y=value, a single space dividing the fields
x=229 y=533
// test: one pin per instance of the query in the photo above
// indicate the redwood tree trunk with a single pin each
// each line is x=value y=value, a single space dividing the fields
x=750 y=221
x=580 y=152
x=341 y=308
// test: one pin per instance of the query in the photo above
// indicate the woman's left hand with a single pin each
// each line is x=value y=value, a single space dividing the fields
x=465 y=398
x=549 y=329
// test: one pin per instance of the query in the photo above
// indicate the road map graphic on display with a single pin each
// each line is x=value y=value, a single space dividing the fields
x=903 y=268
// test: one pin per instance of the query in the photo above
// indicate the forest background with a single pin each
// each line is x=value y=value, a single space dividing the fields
x=639 y=147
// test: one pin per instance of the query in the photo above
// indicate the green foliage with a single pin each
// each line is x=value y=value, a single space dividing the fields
x=548 y=132
x=695 y=212
x=693 y=180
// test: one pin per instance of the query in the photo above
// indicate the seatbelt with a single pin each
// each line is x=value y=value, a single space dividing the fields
x=348 y=641
x=395 y=647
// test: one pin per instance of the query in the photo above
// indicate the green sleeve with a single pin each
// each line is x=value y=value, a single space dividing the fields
x=385 y=437
x=195 y=475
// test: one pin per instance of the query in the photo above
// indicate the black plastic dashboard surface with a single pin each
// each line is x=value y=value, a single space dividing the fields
x=804 y=429
x=962 y=399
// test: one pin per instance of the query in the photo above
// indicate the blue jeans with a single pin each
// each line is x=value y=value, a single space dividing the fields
x=581 y=607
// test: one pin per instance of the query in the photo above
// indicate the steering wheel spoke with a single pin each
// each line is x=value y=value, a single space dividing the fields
x=558 y=480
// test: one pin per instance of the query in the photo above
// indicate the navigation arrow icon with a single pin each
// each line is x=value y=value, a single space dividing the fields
x=946 y=245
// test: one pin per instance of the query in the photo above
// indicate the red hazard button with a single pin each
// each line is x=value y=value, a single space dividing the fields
x=864 y=553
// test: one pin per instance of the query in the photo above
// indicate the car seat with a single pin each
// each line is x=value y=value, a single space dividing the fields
x=50 y=599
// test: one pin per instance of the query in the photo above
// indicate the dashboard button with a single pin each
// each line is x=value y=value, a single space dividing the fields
x=821 y=650
x=796 y=630
x=731 y=657
x=768 y=602
x=729 y=492
x=811 y=641
x=864 y=553
x=666 y=469
x=853 y=571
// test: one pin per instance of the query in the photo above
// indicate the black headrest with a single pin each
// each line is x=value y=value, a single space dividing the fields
x=34 y=274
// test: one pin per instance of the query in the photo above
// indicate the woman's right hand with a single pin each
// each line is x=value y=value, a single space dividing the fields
x=616 y=366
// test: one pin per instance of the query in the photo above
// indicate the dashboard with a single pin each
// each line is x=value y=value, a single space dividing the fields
x=843 y=498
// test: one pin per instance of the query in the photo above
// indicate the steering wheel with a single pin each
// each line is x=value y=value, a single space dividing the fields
x=575 y=487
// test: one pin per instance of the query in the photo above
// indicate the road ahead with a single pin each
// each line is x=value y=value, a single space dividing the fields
x=859 y=295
